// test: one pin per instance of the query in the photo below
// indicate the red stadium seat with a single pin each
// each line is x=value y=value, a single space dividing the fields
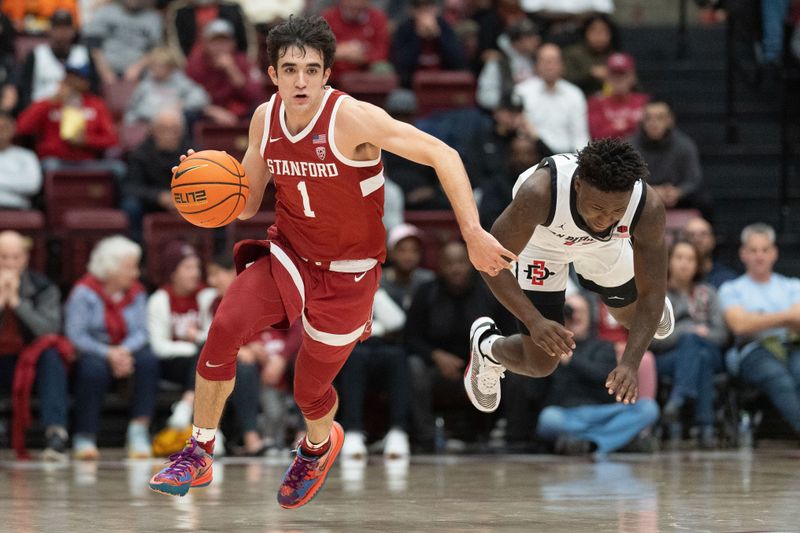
x=31 y=224
x=368 y=86
x=252 y=228
x=160 y=228
x=441 y=90
x=65 y=190
x=232 y=139
x=438 y=227
x=83 y=228
x=117 y=96
x=676 y=220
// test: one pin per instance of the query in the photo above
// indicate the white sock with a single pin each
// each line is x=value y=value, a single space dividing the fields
x=317 y=446
x=486 y=347
x=203 y=434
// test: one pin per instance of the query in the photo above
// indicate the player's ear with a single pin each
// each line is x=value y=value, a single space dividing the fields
x=273 y=74
x=325 y=76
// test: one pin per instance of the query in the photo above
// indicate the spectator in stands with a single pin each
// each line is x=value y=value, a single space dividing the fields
x=176 y=325
x=762 y=310
x=425 y=41
x=493 y=18
x=30 y=307
x=362 y=35
x=190 y=20
x=555 y=108
x=580 y=416
x=120 y=34
x=146 y=185
x=73 y=128
x=106 y=320
x=379 y=363
x=404 y=275
x=20 y=174
x=512 y=64
x=33 y=17
x=618 y=113
x=437 y=333
x=672 y=158
x=166 y=86
x=699 y=232
x=585 y=62
x=692 y=355
x=233 y=82
x=41 y=74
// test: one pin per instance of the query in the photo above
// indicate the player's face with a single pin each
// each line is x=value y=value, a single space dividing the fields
x=186 y=277
x=600 y=209
x=300 y=78
x=683 y=263
x=758 y=255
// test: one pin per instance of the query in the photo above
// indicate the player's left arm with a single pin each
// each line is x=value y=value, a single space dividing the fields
x=650 y=268
x=363 y=123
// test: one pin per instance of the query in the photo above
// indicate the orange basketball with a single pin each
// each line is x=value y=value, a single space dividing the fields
x=209 y=188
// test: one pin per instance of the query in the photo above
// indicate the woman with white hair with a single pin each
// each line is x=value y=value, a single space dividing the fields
x=106 y=320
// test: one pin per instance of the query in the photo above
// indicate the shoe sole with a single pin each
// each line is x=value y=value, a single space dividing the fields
x=317 y=486
x=468 y=371
x=183 y=490
x=671 y=313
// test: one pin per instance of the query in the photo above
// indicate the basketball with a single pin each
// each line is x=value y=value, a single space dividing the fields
x=209 y=188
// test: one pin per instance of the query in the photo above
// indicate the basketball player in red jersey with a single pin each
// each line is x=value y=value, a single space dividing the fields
x=321 y=262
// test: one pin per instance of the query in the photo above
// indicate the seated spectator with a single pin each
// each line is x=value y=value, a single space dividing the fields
x=437 y=334
x=762 y=310
x=581 y=417
x=379 y=363
x=120 y=34
x=493 y=18
x=43 y=71
x=30 y=306
x=233 y=82
x=404 y=275
x=189 y=19
x=425 y=41
x=700 y=233
x=73 y=128
x=513 y=64
x=585 y=62
x=105 y=318
x=20 y=174
x=672 y=159
x=36 y=17
x=176 y=325
x=166 y=86
x=146 y=185
x=262 y=369
x=362 y=36
x=692 y=355
x=555 y=108
x=618 y=113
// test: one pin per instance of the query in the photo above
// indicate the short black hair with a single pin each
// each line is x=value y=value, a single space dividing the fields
x=612 y=27
x=658 y=99
x=302 y=32
x=223 y=259
x=611 y=165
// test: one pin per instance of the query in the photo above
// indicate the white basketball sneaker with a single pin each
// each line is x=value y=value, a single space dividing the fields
x=482 y=376
x=667 y=323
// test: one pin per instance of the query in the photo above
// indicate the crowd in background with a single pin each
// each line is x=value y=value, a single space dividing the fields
x=547 y=81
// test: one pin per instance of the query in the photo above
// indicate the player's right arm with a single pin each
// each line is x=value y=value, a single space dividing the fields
x=513 y=229
x=255 y=167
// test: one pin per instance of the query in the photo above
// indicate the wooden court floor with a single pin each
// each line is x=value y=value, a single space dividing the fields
x=738 y=491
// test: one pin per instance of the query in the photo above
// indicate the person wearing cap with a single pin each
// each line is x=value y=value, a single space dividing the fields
x=233 y=82
x=404 y=274
x=362 y=35
x=618 y=113
x=44 y=68
x=120 y=34
x=175 y=325
x=514 y=63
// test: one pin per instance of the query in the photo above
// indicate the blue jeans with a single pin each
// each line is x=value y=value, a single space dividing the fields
x=51 y=385
x=692 y=365
x=777 y=379
x=93 y=378
x=610 y=426
x=773 y=17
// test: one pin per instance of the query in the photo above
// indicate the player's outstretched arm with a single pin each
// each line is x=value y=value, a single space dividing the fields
x=362 y=123
x=650 y=267
x=254 y=165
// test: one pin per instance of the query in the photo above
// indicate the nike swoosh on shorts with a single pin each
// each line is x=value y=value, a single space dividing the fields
x=359 y=278
x=209 y=365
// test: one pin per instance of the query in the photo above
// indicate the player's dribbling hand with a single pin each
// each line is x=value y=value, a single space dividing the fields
x=623 y=382
x=189 y=152
x=553 y=338
x=487 y=254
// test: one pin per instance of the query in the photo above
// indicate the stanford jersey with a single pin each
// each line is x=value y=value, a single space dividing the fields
x=328 y=207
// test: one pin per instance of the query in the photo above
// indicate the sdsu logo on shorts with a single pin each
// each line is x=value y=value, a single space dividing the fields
x=537 y=272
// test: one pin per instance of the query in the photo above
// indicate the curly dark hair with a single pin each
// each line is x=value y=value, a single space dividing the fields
x=611 y=165
x=311 y=32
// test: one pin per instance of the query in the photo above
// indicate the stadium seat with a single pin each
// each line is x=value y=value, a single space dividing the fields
x=437 y=90
x=232 y=139
x=82 y=229
x=368 y=86
x=160 y=228
x=32 y=225
x=65 y=190
x=117 y=96
x=252 y=228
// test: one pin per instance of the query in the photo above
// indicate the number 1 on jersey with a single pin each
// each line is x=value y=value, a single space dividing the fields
x=306 y=202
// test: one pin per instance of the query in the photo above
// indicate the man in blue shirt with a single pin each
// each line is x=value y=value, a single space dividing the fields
x=762 y=309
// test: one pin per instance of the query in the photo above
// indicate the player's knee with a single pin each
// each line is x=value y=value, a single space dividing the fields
x=540 y=365
x=314 y=404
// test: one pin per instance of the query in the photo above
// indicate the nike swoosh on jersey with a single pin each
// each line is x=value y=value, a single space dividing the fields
x=209 y=365
x=275 y=139
x=185 y=170
x=360 y=277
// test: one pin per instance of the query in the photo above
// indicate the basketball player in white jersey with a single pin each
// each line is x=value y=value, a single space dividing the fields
x=592 y=210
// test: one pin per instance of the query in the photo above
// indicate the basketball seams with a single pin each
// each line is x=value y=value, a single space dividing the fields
x=194 y=158
x=211 y=183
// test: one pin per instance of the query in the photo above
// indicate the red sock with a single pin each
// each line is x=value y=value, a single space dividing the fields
x=208 y=446
x=308 y=451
